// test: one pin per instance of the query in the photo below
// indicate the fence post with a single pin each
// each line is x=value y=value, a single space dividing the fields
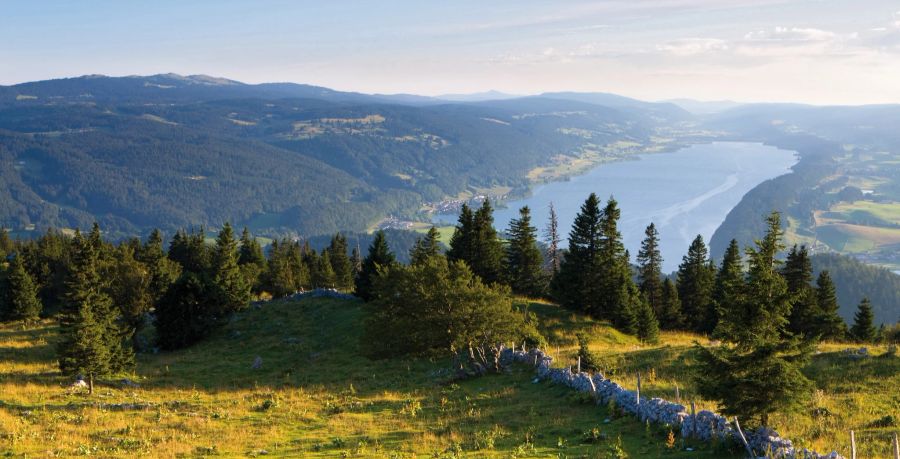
x=896 y=446
x=579 y=364
x=693 y=420
x=743 y=438
x=852 y=445
x=638 y=388
x=677 y=394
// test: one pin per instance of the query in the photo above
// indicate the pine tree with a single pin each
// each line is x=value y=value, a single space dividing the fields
x=324 y=274
x=251 y=260
x=340 y=262
x=756 y=371
x=576 y=285
x=92 y=341
x=279 y=277
x=552 y=239
x=523 y=257
x=647 y=325
x=356 y=260
x=863 y=329
x=650 y=269
x=829 y=324
x=426 y=247
x=797 y=272
x=190 y=251
x=729 y=280
x=6 y=244
x=462 y=243
x=188 y=312
x=130 y=290
x=232 y=288
x=670 y=318
x=619 y=296
x=696 y=278
x=487 y=261
x=21 y=300
x=380 y=256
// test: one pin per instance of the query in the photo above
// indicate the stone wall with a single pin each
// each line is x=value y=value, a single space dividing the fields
x=703 y=425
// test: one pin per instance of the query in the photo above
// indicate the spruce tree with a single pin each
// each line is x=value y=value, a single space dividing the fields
x=670 y=318
x=130 y=290
x=576 y=285
x=524 y=271
x=188 y=312
x=279 y=276
x=619 y=296
x=380 y=256
x=829 y=324
x=21 y=300
x=756 y=370
x=425 y=247
x=863 y=329
x=251 y=259
x=647 y=324
x=729 y=280
x=696 y=278
x=324 y=274
x=462 y=243
x=650 y=269
x=92 y=342
x=552 y=239
x=487 y=261
x=797 y=272
x=232 y=288
x=6 y=244
x=340 y=262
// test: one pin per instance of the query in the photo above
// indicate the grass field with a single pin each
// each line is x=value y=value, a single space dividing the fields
x=315 y=396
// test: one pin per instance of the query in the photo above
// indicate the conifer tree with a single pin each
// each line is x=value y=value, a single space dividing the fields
x=696 y=279
x=188 y=312
x=426 y=247
x=670 y=318
x=487 y=261
x=251 y=259
x=462 y=243
x=189 y=250
x=552 y=239
x=163 y=271
x=380 y=256
x=21 y=300
x=650 y=269
x=356 y=260
x=729 y=280
x=619 y=296
x=324 y=273
x=6 y=244
x=863 y=329
x=279 y=277
x=340 y=262
x=92 y=342
x=232 y=288
x=647 y=324
x=130 y=290
x=523 y=257
x=756 y=370
x=829 y=324
x=797 y=272
x=576 y=286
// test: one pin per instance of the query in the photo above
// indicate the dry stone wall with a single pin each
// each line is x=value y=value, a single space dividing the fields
x=703 y=425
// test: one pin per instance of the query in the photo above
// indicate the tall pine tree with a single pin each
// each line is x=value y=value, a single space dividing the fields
x=619 y=296
x=232 y=288
x=729 y=279
x=552 y=238
x=340 y=262
x=696 y=278
x=650 y=269
x=863 y=329
x=21 y=301
x=380 y=256
x=797 y=272
x=647 y=324
x=670 y=318
x=426 y=247
x=524 y=271
x=576 y=285
x=487 y=261
x=829 y=324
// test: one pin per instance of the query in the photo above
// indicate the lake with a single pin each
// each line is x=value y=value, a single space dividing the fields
x=685 y=193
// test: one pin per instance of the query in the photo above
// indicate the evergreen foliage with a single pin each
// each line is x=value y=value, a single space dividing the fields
x=18 y=294
x=251 y=260
x=756 y=370
x=829 y=325
x=426 y=247
x=552 y=239
x=696 y=279
x=188 y=312
x=670 y=317
x=340 y=262
x=798 y=273
x=863 y=329
x=650 y=269
x=729 y=282
x=232 y=289
x=647 y=324
x=524 y=263
x=576 y=286
x=380 y=256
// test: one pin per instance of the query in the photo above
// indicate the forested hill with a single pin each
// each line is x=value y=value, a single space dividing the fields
x=169 y=151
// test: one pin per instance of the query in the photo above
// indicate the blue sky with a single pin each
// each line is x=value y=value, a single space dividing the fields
x=815 y=51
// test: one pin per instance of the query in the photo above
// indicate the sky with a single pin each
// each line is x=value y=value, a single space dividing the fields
x=814 y=51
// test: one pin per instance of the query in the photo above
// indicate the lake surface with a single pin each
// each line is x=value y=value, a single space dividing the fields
x=685 y=193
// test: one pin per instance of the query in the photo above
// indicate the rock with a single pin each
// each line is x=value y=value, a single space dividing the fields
x=257 y=363
x=79 y=384
x=129 y=383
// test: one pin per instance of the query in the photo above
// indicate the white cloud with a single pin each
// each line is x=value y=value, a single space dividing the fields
x=693 y=46
x=796 y=42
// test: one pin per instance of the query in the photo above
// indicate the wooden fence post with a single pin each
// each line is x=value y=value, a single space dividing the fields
x=896 y=446
x=579 y=364
x=677 y=394
x=693 y=420
x=638 y=388
x=852 y=445
x=743 y=438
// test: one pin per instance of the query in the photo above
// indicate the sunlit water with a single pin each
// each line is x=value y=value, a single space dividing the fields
x=684 y=193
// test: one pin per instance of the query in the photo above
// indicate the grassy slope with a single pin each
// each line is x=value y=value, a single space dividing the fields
x=313 y=397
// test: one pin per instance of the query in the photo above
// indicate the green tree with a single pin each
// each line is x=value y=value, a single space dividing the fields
x=551 y=235
x=619 y=296
x=163 y=271
x=188 y=312
x=130 y=290
x=524 y=263
x=696 y=279
x=426 y=247
x=729 y=282
x=324 y=276
x=756 y=369
x=650 y=269
x=462 y=243
x=576 y=285
x=487 y=262
x=647 y=324
x=829 y=324
x=6 y=244
x=380 y=256
x=340 y=262
x=797 y=272
x=251 y=260
x=670 y=318
x=232 y=289
x=863 y=329
x=92 y=341
x=21 y=301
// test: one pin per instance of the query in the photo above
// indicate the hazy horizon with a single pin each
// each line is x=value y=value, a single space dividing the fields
x=819 y=51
